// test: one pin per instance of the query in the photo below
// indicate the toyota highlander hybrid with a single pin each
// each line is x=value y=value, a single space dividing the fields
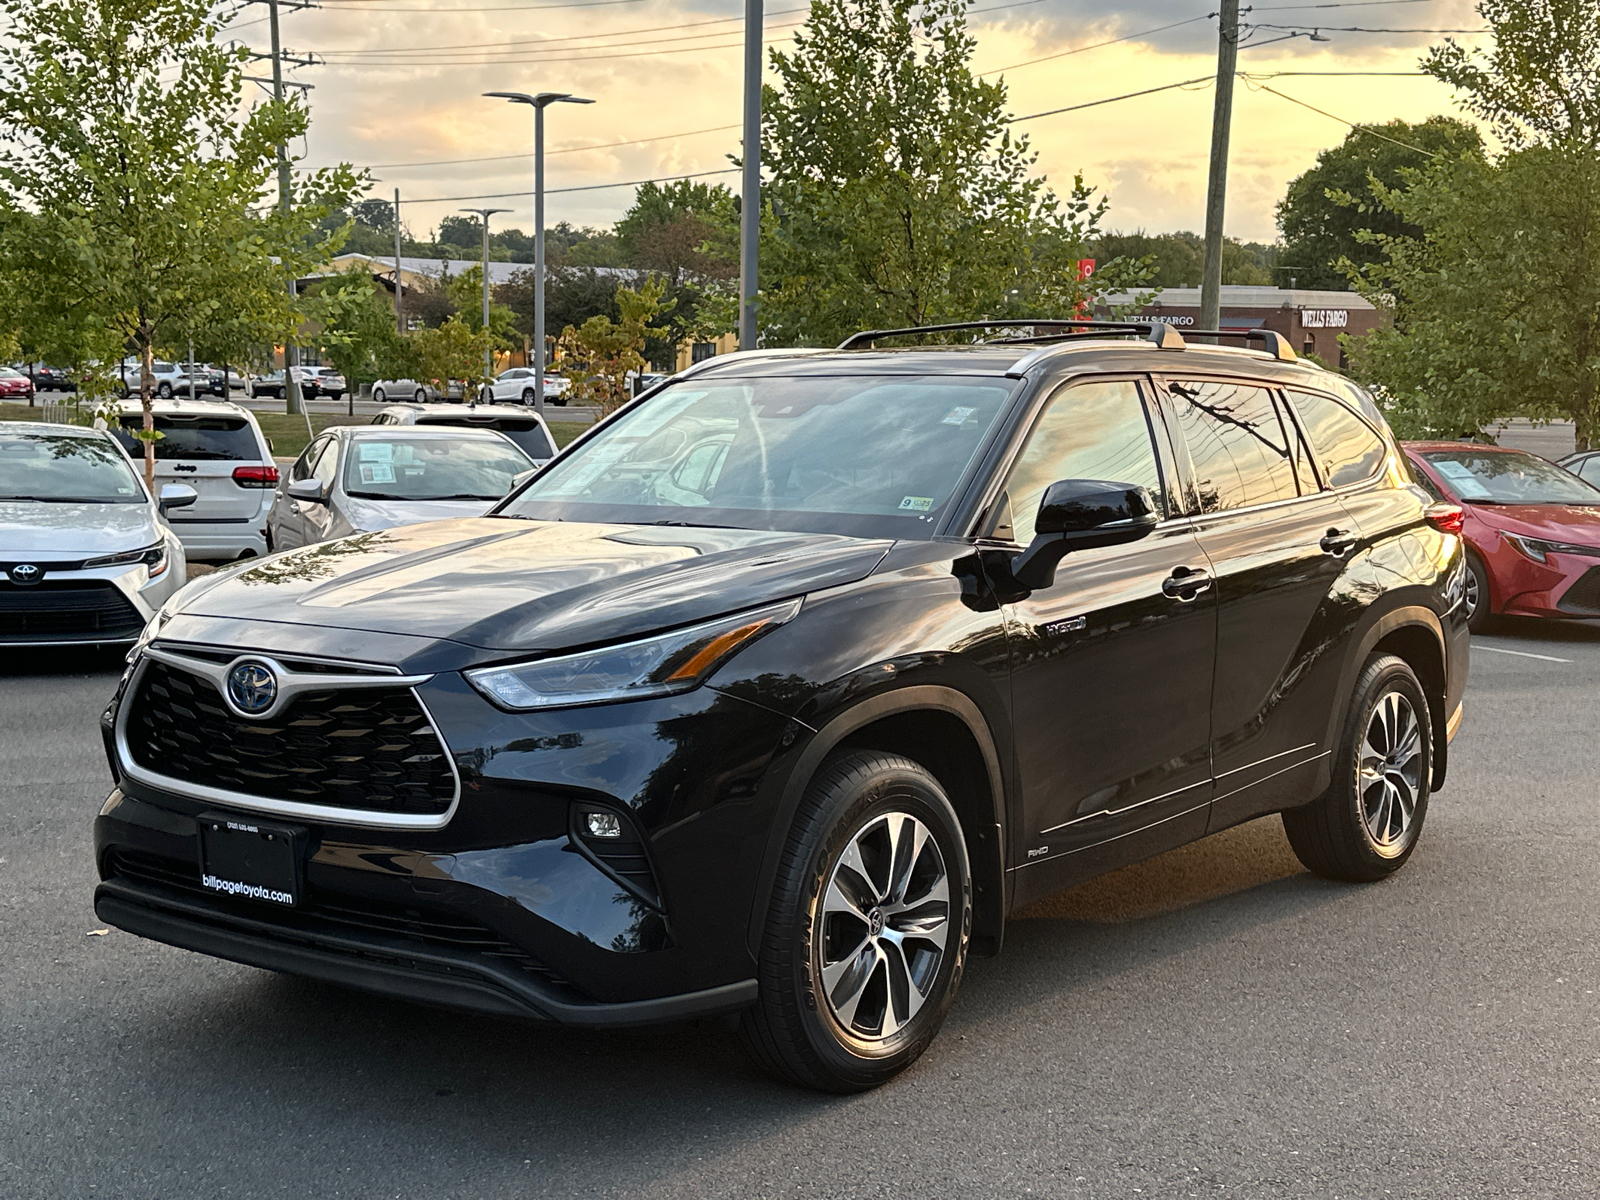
x=775 y=693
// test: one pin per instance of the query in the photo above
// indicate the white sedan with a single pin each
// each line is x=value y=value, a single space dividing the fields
x=86 y=554
x=387 y=390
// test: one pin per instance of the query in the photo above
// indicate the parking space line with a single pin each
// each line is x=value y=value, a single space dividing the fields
x=1520 y=653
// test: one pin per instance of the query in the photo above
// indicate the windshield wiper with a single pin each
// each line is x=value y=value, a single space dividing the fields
x=458 y=496
x=375 y=496
x=71 y=499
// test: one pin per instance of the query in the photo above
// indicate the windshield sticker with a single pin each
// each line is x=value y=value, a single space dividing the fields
x=377 y=473
x=917 y=503
x=1460 y=477
x=376 y=451
x=957 y=416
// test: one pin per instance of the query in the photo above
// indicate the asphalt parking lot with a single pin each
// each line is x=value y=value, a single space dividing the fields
x=1215 y=1022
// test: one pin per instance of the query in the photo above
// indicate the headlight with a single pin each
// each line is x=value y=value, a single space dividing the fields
x=1538 y=549
x=655 y=666
x=154 y=557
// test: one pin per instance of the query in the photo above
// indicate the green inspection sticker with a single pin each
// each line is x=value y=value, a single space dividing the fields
x=917 y=503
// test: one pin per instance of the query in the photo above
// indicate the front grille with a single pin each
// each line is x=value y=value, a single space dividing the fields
x=1583 y=597
x=369 y=748
x=325 y=912
x=68 y=610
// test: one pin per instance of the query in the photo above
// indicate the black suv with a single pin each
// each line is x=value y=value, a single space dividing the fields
x=776 y=692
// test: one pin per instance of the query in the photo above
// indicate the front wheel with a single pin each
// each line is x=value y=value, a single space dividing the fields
x=377 y=395
x=1365 y=826
x=527 y=395
x=1476 y=596
x=282 y=393
x=866 y=936
x=420 y=396
x=165 y=391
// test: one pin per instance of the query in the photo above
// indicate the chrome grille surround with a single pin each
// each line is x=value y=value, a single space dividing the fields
x=214 y=664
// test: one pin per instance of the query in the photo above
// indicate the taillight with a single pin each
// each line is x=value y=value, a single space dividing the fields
x=1446 y=518
x=261 y=477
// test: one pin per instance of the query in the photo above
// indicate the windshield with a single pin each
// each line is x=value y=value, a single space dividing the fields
x=194 y=438
x=64 y=469
x=875 y=456
x=432 y=468
x=1498 y=477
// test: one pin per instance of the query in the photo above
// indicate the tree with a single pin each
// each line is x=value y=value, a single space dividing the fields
x=1496 y=301
x=452 y=352
x=134 y=205
x=1325 y=209
x=358 y=330
x=598 y=355
x=1175 y=257
x=899 y=193
x=682 y=230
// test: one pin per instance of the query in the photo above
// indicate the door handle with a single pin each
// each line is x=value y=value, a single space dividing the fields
x=1338 y=542
x=1185 y=583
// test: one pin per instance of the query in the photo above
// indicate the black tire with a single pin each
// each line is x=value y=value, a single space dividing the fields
x=1479 y=617
x=527 y=395
x=1345 y=833
x=164 y=391
x=794 y=1030
x=282 y=393
x=420 y=396
x=377 y=395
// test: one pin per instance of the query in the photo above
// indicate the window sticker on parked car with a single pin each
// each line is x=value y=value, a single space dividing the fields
x=377 y=473
x=1460 y=477
x=375 y=452
x=958 y=416
x=917 y=503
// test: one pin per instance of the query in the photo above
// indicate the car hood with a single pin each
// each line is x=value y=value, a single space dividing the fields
x=1552 y=522
x=503 y=584
x=68 y=531
x=365 y=515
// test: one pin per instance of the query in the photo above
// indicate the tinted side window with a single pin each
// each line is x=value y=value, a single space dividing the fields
x=1089 y=431
x=1237 y=443
x=1589 y=470
x=302 y=465
x=1346 y=446
x=1421 y=478
x=326 y=467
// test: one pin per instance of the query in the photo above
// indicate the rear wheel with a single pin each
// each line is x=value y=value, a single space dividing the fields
x=527 y=395
x=866 y=936
x=377 y=395
x=1365 y=826
x=419 y=396
x=1476 y=596
x=282 y=393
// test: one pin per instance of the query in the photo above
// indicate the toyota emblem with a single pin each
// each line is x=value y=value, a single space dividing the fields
x=24 y=574
x=252 y=687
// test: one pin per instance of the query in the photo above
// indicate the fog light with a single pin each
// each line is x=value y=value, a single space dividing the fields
x=602 y=824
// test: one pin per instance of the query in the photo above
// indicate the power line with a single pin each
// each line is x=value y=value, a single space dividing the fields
x=502 y=62
x=1095 y=46
x=451 y=162
x=1368 y=129
x=1165 y=87
x=578 y=37
x=1359 y=29
x=590 y=187
x=354 y=58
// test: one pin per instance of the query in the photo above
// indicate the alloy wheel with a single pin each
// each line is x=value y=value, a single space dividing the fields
x=884 y=927
x=1389 y=773
x=1469 y=594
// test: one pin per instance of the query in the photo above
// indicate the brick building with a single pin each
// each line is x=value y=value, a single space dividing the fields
x=1311 y=320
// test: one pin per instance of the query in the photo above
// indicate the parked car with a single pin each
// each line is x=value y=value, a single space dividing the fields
x=1532 y=529
x=14 y=385
x=273 y=384
x=778 y=690
x=86 y=554
x=217 y=448
x=167 y=379
x=200 y=380
x=49 y=379
x=1585 y=465
x=385 y=390
x=328 y=382
x=527 y=429
x=358 y=479
x=516 y=385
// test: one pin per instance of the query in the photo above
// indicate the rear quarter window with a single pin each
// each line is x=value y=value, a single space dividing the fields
x=1346 y=447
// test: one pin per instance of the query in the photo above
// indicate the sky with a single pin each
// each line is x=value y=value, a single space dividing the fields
x=399 y=91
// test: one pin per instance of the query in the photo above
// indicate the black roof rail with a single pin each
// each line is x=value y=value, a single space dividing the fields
x=1157 y=330
x=1274 y=344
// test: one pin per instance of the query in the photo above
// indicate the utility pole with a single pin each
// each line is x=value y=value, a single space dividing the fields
x=750 y=202
x=1217 y=185
x=488 y=354
x=399 y=301
x=291 y=352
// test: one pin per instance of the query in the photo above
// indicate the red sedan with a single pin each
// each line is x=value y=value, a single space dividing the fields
x=1532 y=529
x=14 y=384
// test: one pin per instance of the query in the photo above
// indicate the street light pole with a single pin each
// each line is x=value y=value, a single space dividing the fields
x=483 y=215
x=539 y=102
x=750 y=204
x=1217 y=185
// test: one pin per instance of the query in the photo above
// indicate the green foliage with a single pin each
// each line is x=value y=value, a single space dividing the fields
x=134 y=196
x=453 y=351
x=358 y=329
x=683 y=230
x=901 y=197
x=598 y=354
x=1536 y=85
x=1176 y=257
x=1326 y=208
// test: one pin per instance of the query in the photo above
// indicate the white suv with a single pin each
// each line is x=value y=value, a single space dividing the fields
x=516 y=386
x=169 y=378
x=217 y=448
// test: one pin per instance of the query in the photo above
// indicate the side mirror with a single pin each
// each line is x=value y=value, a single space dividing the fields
x=1077 y=514
x=309 y=490
x=175 y=495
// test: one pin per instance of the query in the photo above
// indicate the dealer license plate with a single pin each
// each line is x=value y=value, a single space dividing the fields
x=250 y=859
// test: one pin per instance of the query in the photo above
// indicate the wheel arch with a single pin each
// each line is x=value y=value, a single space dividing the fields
x=1414 y=634
x=944 y=731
